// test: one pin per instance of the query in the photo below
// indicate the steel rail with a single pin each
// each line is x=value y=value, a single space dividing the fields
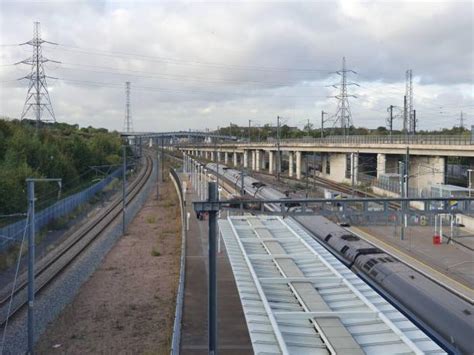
x=322 y=183
x=92 y=230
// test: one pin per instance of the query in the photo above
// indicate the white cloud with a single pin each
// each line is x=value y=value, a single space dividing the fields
x=199 y=64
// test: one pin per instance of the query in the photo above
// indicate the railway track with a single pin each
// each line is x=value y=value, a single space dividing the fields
x=48 y=268
x=321 y=182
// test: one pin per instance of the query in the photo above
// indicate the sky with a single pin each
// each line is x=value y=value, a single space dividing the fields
x=205 y=64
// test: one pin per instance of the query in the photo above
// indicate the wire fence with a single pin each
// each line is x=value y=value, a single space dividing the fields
x=395 y=187
x=12 y=233
x=361 y=139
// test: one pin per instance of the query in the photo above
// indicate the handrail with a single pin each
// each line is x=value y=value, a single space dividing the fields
x=176 y=337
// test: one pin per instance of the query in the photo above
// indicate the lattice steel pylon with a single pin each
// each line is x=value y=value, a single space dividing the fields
x=410 y=115
x=343 y=113
x=37 y=97
x=128 y=124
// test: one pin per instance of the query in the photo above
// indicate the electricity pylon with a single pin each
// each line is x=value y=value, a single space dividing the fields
x=37 y=97
x=128 y=125
x=410 y=113
x=343 y=113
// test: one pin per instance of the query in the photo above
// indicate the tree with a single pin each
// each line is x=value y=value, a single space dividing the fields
x=58 y=150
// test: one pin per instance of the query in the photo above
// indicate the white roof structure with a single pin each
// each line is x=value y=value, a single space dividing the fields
x=299 y=299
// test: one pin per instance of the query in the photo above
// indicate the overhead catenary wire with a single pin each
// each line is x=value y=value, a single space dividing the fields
x=12 y=215
x=74 y=189
x=15 y=279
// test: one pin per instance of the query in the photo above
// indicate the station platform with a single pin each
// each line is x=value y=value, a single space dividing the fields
x=450 y=264
x=233 y=337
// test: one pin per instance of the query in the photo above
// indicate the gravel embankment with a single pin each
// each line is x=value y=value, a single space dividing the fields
x=62 y=291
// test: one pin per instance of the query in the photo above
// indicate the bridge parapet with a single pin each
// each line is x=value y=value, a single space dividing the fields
x=431 y=145
x=365 y=139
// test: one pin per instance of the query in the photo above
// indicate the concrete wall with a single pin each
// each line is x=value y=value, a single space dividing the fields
x=324 y=161
x=381 y=164
x=291 y=164
x=271 y=162
x=426 y=172
x=337 y=167
x=391 y=164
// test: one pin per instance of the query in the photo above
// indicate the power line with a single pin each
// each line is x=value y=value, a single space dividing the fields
x=192 y=92
x=452 y=106
x=150 y=75
x=176 y=61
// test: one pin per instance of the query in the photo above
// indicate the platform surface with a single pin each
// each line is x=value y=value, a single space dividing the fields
x=449 y=264
x=233 y=337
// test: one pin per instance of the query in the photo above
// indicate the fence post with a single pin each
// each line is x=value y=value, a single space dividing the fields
x=31 y=265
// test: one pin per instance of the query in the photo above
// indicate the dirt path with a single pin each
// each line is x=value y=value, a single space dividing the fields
x=127 y=306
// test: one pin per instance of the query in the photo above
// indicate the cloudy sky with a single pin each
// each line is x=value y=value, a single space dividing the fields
x=203 y=64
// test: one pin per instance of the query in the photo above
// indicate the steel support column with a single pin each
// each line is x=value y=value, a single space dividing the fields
x=213 y=196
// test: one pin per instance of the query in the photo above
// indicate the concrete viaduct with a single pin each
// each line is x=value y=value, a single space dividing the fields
x=344 y=159
x=177 y=136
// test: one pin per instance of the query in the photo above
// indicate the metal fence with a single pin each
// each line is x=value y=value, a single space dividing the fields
x=361 y=139
x=394 y=186
x=14 y=232
x=176 y=338
x=457 y=171
x=395 y=139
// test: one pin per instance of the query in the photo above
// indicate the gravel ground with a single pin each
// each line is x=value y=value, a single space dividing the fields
x=127 y=306
x=50 y=303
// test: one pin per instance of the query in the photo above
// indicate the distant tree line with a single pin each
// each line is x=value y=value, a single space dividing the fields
x=268 y=131
x=57 y=150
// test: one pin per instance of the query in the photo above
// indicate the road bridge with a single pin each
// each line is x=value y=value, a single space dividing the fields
x=178 y=136
x=345 y=159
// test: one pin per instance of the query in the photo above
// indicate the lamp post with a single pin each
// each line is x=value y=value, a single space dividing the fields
x=469 y=172
x=250 y=122
x=322 y=123
x=212 y=295
x=124 y=187
x=278 y=149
